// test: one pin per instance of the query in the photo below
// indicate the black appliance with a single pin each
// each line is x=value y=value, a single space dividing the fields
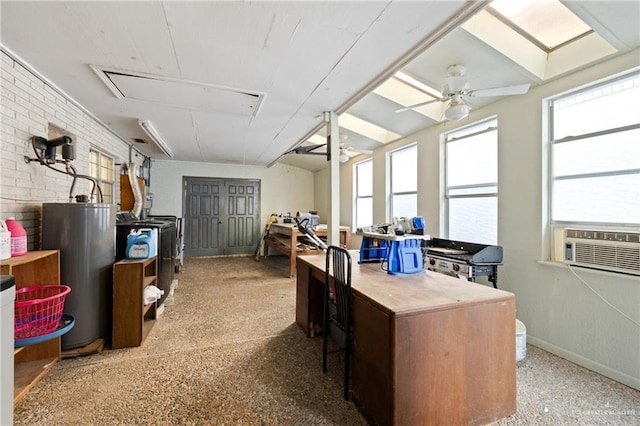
x=126 y=222
x=178 y=252
x=469 y=260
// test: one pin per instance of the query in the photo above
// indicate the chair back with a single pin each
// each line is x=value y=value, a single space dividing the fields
x=338 y=265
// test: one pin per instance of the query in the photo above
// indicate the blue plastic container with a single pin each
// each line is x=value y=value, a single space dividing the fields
x=140 y=245
x=405 y=257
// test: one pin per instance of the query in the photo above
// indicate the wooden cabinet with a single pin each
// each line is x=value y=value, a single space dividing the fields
x=132 y=319
x=428 y=348
x=33 y=362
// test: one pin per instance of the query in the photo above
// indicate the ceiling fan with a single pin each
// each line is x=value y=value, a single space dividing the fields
x=456 y=89
x=344 y=150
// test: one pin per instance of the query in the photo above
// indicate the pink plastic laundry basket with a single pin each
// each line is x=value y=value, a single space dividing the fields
x=38 y=309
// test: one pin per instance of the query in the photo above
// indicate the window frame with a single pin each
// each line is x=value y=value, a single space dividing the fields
x=100 y=179
x=492 y=125
x=413 y=145
x=357 y=196
x=551 y=142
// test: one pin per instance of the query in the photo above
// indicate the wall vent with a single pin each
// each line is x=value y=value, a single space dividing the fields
x=617 y=251
x=139 y=140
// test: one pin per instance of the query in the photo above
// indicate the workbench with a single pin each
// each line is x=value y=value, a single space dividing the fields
x=283 y=237
x=427 y=349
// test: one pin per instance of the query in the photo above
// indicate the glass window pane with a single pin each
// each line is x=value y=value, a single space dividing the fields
x=364 y=176
x=614 y=199
x=615 y=151
x=404 y=170
x=93 y=170
x=550 y=22
x=473 y=160
x=404 y=205
x=474 y=220
x=107 y=192
x=364 y=212
x=609 y=106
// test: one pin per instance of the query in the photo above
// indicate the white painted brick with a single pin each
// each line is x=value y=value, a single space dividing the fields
x=32 y=105
x=15 y=123
x=8 y=113
x=6 y=60
x=22 y=75
x=26 y=88
x=8 y=98
x=6 y=77
x=41 y=105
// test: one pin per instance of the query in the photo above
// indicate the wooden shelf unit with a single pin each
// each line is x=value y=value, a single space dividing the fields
x=132 y=319
x=33 y=362
x=283 y=237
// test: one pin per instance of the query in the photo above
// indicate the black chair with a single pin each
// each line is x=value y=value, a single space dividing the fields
x=337 y=306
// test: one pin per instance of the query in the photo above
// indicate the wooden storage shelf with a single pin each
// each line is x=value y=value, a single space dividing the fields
x=132 y=319
x=33 y=362
x=283 y=238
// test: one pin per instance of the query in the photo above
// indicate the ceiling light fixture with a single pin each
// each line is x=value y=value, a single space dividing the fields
x=457 y=109
x=344 y=157
x=155 y=137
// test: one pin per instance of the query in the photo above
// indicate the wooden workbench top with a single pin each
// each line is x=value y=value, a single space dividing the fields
x=406 y=294
x=289 y=228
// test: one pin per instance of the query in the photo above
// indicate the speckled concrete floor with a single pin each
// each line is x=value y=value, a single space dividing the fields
x=227 y=351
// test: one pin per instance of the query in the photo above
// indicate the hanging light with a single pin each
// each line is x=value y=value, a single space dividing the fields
x=457 y=109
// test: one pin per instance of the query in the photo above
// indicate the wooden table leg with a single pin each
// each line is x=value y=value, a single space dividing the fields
x=292 y=255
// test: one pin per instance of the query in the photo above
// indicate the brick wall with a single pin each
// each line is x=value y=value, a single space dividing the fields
x=30 y=107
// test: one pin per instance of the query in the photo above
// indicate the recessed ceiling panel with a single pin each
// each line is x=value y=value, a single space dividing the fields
x=181 y=93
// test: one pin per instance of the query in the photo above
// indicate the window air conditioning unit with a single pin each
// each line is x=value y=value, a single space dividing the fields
x=615 y=251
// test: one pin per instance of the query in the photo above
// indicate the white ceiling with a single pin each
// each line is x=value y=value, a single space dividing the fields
x=245 y=82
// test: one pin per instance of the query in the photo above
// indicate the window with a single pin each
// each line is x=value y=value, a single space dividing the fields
x=364 y=193
x=594 y=135
x=102 y=168
x=549 y=24
x=404 y=182
x=471 y=174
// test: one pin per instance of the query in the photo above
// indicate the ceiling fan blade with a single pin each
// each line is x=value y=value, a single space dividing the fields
x=519 y=89
x=407 y=108
x=348 y=149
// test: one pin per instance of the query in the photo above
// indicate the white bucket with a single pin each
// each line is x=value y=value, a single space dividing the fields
x=521 y=341
x=5 y=241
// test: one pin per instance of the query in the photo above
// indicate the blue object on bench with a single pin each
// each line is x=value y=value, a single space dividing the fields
x=405 y=257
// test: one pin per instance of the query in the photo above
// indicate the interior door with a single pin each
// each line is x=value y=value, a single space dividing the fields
x=221 y=216
x=242 y=216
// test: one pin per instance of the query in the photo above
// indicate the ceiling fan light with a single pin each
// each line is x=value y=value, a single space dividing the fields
x=344 y=157
x=456 y=111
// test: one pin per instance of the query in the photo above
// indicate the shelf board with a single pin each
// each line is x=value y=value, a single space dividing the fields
x=27 y=374
x=148 y=280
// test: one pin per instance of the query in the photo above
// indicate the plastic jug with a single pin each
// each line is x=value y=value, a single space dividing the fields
x=5 y=241
x=18 y=237
x=140 y=245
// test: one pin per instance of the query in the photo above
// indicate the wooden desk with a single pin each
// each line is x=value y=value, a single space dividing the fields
x=428 y=349
x=283 y=237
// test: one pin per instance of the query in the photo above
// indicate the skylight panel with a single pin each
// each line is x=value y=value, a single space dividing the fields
x=547 y=22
